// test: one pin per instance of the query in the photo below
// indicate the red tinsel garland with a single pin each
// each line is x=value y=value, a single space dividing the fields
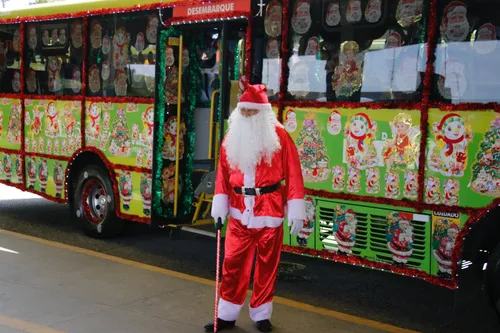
x=470 y=107
x=116 y=100
x=451 y=284
x=248 y=48
x=48 y=156
x=9 y=151
x=12 y=96
x=131 y=168
x=53 y=97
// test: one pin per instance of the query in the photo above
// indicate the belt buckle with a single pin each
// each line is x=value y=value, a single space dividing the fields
x=243 y=192
x=257 y=190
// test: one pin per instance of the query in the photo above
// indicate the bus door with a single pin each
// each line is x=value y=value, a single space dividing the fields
x=200 y=67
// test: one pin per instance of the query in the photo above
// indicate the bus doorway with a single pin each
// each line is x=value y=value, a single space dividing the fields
x=200 y=65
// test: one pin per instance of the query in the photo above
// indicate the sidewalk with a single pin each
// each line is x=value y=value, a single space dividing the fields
x=50 y=288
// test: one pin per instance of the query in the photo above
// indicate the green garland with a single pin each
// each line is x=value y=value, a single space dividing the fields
x=236 y=76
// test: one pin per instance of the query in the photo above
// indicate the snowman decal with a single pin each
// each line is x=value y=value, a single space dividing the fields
x=372 y=180
x=345 y=232
x=308 y=226
x=392 y=185
x=146 y=194
x=360 y=151
x=169 y=146
x=93 y=121
x=54 y=77
x=291 y=121
x=126 y=187
x=338 y=178
x=58 y=178
x=7 y=167
x=120 y=48
x=449 y=155
x=51 y=121
x=400 y=237
x=32 y=173
x=148 y=118
x=451 y=192
x=43 y=175
x=411 y=185
x=432 y=190
x=334 y=123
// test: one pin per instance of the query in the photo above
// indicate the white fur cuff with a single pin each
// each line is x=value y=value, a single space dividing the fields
x=220 y=206
x=296 y=209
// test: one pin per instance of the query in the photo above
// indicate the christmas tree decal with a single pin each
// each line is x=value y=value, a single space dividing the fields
x=312 y=152
x=486 y=170
x=121 y=142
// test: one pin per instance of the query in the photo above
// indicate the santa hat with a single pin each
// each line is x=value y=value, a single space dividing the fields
x=455 y=7
x=405 y=216
x=453 y=228
x=310 y=200
x=363 y=117
x=488 y=27
x=289 y=113
x=448 y=119
x=301 y=4
x=254 y=97
x=76 y=70
x=272 y=5
x=333 y=115
x=350 y=211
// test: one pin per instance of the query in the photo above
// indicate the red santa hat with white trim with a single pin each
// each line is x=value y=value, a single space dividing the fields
x=453 y=8
x=254 y=97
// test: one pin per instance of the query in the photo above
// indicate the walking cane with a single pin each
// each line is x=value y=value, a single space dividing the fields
x=218 y=226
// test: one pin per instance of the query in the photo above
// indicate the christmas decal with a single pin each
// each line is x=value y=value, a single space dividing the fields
x=31 y=171
x=392 y=190
x=454 y=24
x=152 y=29
x=411 y=185
x=146 y=193
x=7 y=167
x=373 y=11
x=401 y=152
x=76 y=82
x=93 y=124
x=308 y=226
x=334 y=124
x=345 y=229
x=486 y=39
x=372 y=181
x=348 y=75
x=58 y=175
x=185 y=58
x=333 y=17
x=301 y=17
x=94 y=79
x=52 y=122
x=32 y=37
x=16 y=81
x=169 y=146
x=126 y=188
x=353 y=180
x=43 y=174
x=312 y=152
x=45 y=38
x=485 y=178
x=359 y=133
x=96 y=34
x=312 y=48
x=272 y=19
x=169 y=56
x=105 y=71
x=120 y=83
x=338 y=178
x=168 y=184
x=272 y=49
x=171 y=85
x=139 y=42
x=121 y=143
x=432 y=190
x=409 y=12
x=452 y=83
x=400 y=236
x=451 y=192
x=354 y=11
x=446 y=227
x=298 y=83
x=449 y=154
x=407 y=76
x=120 y=48
x=10 y=123
x=106 y=45
x=393 y=40
x=77 y=34
x=16 y=39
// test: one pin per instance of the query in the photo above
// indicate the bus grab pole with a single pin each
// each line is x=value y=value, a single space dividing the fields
x=177 y=141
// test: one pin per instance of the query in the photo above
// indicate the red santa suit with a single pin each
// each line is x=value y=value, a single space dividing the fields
x=256 y=221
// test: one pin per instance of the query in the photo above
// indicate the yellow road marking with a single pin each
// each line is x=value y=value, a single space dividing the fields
x=25 y=326
x=278 y=300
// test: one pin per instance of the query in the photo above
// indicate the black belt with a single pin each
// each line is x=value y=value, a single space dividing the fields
x=251 y=191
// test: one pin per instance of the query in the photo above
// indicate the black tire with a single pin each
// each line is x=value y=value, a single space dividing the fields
x=493 y=280
x=95 y=223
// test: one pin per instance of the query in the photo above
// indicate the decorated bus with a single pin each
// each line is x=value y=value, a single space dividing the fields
x=118 y=109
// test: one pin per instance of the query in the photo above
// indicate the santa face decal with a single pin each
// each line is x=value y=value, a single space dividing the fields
x=94 y=79
x=272 y=50
x=454 y=24
x=152 y=29
x=291 y=121
x=139 y=42
x=45 y=38
x=62 y=36
x=334 y=123
x=354 y=12
x=32 y=39
x=76 y=35
x=301 y=18
x=121 y=83
x=312 y=47
x=16 y=82
x=393 y=40
x=105 y=70
x=96 y=35
x=333 y=14
x=272 y=19
x=106 y=45
x=373 y=11
x=169 y=56
x=185 y=58
x=76 y=82
x=31 y=81
x=486 y=39
x=16 y=40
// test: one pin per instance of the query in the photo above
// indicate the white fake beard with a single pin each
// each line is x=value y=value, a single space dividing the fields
x=460 y=36
x=251 y=139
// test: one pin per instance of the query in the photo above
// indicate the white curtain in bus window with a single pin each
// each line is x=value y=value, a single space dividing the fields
x=54 y=56
x=356 y=50
x=10 y=59
x=122 y=55
x=466 y=68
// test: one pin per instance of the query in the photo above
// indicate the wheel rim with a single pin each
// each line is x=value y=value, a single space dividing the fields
x=94 y=202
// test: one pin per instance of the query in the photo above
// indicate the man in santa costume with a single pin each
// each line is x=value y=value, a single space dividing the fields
x=256 y=155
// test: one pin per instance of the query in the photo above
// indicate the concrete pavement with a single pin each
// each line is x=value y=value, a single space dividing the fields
x=48 y=287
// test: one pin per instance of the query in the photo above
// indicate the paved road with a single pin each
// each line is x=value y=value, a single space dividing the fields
x=380 y=296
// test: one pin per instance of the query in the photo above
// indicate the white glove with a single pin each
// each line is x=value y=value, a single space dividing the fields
x=295 y=226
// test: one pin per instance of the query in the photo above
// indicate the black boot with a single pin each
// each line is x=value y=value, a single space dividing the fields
x=221 y=325
x=264 y=325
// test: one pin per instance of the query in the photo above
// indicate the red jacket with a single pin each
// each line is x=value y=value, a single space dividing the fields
x=267 y=210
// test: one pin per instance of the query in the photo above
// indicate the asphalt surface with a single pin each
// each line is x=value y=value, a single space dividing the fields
x=385 y=297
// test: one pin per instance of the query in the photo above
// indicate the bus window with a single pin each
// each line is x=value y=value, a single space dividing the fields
x=122 y=55
x=10 y=80
x=467 y=67
x=356 y=50
x=54 y=56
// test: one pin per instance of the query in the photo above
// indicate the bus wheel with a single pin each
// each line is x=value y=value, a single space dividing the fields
x=94 y=203
x=493 y=279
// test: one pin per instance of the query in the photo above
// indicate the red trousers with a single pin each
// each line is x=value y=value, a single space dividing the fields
x=241 y=245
